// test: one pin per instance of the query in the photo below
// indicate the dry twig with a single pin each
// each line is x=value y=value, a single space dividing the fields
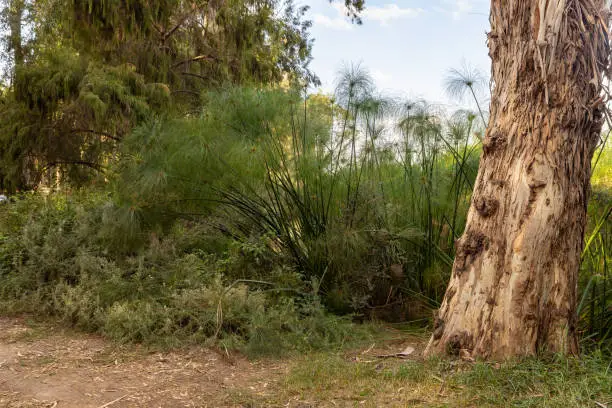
x=108 y=404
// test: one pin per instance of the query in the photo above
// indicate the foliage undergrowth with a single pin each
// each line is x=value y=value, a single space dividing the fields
x=595 y=302
x=59 y=257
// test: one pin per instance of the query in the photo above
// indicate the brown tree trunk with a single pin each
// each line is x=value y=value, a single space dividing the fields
x=513 y=287
x=15 y=18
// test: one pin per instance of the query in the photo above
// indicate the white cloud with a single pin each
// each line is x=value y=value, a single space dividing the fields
x=458 y=8
x=383 y=15
x=389 y=12
x=461 y=7
x=335 y=23
x=381 y=77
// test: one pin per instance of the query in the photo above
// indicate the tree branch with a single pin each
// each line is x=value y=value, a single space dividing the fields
x=91 y=165
x=95 y=132
x=202 y=77
x=181 y=21
x=195 y=59
x=185 y=91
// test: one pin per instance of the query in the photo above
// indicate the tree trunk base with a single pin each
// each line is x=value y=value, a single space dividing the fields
x=513 y=288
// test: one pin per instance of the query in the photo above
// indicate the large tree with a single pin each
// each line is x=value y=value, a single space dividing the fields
x=513 y=287
x=84 y=73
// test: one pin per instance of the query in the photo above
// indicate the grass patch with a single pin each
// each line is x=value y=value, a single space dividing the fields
x=332 y=379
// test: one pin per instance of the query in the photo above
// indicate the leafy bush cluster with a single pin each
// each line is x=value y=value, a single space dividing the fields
x=59 y=257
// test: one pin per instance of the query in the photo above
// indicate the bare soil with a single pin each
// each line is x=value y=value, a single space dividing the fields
x=45 y=365
x=52 y=368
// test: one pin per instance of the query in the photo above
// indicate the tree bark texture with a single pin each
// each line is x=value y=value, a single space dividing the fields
x=513 y=287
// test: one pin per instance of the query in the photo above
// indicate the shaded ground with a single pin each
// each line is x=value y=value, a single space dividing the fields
x=46 y=366
x=42 y=369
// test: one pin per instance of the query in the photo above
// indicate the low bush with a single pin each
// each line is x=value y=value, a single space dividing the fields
x=55 y=260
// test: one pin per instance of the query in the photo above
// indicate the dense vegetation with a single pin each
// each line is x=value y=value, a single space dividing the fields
x=179 y=183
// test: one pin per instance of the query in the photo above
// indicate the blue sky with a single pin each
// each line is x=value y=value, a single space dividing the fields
x=407 y=45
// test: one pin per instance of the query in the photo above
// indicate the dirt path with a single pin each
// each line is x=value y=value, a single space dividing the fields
x=67 y=370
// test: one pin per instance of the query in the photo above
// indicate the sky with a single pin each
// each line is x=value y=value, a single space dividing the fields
x=408 y=46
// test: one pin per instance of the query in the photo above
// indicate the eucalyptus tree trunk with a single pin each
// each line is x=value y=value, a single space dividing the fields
x=513 y=287
x=15 y=10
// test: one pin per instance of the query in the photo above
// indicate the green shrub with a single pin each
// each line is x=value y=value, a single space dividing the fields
x=57 y=262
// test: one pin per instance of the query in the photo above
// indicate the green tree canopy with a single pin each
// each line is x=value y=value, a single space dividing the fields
x=81 y=75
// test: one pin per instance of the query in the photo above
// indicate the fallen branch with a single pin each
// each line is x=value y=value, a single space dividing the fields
x=403 y=354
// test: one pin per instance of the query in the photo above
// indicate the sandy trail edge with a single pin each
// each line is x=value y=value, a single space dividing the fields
x=58 y=369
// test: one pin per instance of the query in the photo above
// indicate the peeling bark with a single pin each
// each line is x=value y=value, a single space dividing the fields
x=513 y=288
